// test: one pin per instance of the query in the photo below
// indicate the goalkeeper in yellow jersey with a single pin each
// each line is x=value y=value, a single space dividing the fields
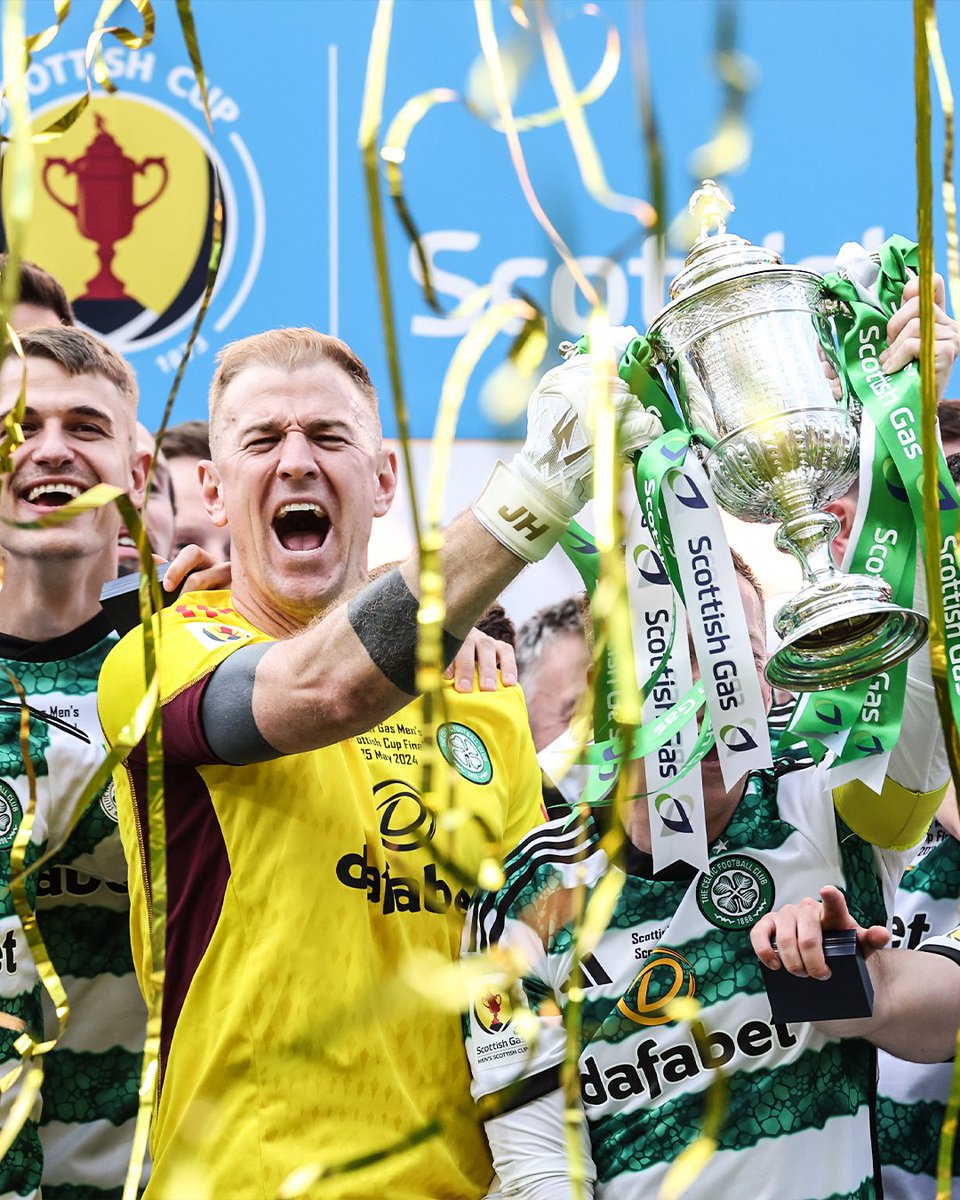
x=313 y=898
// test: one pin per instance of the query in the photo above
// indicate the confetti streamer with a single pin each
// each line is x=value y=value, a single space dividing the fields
x=185 y=14
x=947 y=189
x=393 y=153
x=923 y=11
x=18 y=160
x=491 y=53
x=571 y=106
x=371 y=118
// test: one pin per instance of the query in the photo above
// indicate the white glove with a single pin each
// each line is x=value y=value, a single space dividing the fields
x=528 y=504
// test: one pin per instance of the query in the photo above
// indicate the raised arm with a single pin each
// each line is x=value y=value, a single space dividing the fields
x=354 y=666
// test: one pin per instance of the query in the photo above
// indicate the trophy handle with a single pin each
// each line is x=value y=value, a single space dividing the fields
x=142 y=169
x=69 y=169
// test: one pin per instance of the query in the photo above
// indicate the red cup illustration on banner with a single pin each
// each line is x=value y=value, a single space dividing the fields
x=105 y=209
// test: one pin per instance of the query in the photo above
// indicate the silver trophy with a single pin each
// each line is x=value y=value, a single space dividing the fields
x=748 y=346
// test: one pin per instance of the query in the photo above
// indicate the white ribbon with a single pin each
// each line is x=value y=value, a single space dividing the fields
x=718 y=623
x=678 y=823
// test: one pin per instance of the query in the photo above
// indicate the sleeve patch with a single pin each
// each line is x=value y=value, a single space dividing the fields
x=494 y=1041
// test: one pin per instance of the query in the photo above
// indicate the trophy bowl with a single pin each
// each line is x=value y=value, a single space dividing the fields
x=748 y=346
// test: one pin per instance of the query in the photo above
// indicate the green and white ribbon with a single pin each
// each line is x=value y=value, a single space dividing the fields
x=862 y=723
x=718 y=624
x=678 y=824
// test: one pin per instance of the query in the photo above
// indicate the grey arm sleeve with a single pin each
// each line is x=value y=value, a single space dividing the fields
x=226 y=710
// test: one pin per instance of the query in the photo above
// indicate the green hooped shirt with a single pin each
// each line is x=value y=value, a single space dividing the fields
x=78 y=1141
x=911 y=1097
x=797 y=1121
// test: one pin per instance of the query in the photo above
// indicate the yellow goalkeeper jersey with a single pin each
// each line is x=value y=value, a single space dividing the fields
x=313 y=903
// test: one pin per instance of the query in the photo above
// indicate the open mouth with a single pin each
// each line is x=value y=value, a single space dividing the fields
x=301 y=526
x=53 y=495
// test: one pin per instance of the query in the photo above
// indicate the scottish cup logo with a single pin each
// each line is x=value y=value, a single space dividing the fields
x=492 y=1010
x=104 y=208
x=126 y=205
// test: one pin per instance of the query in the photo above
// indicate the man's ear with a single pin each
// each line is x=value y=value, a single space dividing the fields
x=843 y=508
x=212 y=492
x=386 y=481
x=138 y=477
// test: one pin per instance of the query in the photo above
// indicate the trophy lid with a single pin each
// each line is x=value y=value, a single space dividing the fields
x=716 y=252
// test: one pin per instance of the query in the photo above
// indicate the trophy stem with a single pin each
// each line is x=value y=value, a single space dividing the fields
x=838 y=628
x=105 y=285
x=807 y=537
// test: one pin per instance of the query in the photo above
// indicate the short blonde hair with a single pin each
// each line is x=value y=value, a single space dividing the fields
x=80 y=353
x=288 y=350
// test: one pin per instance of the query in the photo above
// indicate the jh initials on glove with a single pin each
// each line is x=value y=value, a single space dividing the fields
x=527 y=504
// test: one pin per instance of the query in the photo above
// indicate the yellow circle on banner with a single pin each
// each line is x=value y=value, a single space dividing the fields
x=159 y=213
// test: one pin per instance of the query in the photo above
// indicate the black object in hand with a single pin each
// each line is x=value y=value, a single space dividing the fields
x=848 y=993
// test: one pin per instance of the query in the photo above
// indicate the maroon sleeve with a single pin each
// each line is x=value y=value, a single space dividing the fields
x=184 y=743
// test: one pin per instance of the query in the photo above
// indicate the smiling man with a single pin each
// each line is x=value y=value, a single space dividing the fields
x=314 y=897
x=78 y=431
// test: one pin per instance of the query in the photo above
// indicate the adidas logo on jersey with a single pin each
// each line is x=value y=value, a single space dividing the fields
x=674 y=1064
x=400 y=893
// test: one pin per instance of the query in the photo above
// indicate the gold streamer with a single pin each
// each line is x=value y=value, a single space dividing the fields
x=393 y=154
x=371 y=117
x=25 y=1100
x=189 y=31
x=93 y=58
x=588 y=160
x=29 y=1048
x=133 y=733
x=729 y=148
x=947 y=190
x=651 y=134
x=491 y=53
x=12 y=438
x=125 y=36
x=18 y=894
x=432 y=610
x=41 y=40
x=694 y=1158
x=922 y=12
x=18 y=160
x=185 y=13
x=573 y=1114
x=596 y=87
x=412 y=112
x=144 y=723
